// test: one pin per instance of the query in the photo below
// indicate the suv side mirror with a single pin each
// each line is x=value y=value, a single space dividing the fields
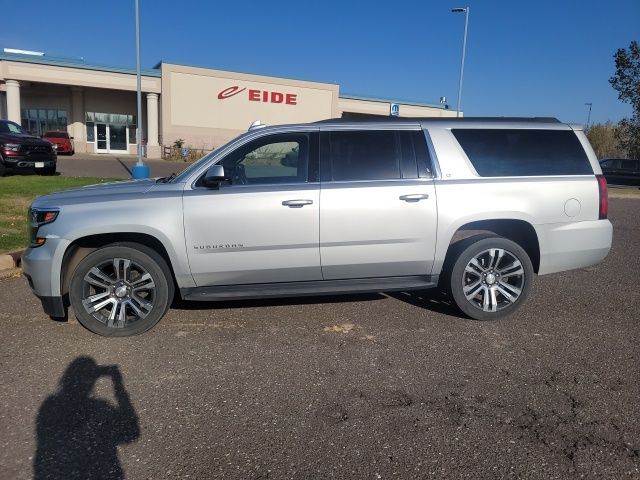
x=214 y=176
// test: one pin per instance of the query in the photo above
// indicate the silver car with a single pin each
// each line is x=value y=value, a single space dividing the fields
x=478 y=207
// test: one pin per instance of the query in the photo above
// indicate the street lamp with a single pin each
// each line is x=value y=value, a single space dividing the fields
x=139 y=170
x=464 y=10
x=589 y=115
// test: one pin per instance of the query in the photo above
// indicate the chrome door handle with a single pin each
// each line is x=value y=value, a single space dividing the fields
x=297 y=203
x=415 y=197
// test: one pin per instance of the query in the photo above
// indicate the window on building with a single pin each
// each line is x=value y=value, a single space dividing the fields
x=39 y=121
x=90 y=132
x=132 y=134
x=114 y=119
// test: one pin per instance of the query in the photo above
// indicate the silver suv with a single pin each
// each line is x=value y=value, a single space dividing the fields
x=475 y=206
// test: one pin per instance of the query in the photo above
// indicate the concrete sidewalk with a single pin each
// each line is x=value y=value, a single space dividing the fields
x=112 y=166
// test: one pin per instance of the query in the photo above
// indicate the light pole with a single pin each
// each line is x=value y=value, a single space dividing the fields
x=589 y=114
x=464 y=10
x=139 y=170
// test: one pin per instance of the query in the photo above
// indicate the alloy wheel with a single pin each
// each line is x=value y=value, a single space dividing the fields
x=493 y=279
x=118 y=292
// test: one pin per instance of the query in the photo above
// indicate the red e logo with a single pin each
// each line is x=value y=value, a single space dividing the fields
x=230 y=92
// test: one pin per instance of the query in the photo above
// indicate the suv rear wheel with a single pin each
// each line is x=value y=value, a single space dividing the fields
x=491 y=277
x=121 y=290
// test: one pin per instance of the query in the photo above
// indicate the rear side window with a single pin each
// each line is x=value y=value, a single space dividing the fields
x=509 y=153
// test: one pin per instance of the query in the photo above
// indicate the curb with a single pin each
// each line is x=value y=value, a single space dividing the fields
x=10 y=261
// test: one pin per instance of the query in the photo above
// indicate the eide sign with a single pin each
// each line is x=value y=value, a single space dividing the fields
x=255 y=95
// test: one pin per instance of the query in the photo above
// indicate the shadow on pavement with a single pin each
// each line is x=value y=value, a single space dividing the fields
x=124 y=165
x=434 y=300
x=78 y=434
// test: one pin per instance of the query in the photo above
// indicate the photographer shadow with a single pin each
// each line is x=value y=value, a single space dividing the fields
x=77 y=433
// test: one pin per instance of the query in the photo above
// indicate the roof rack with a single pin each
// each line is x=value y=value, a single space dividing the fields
x=442 y=119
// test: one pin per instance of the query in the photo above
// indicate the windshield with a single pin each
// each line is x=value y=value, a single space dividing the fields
x=10 y=127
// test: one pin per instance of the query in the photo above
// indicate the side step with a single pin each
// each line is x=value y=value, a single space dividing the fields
x=300 y=289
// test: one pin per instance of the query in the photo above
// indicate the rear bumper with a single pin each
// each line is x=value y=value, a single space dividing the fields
x=568 y=246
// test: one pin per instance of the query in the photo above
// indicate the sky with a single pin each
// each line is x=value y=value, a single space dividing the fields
x=524 y=58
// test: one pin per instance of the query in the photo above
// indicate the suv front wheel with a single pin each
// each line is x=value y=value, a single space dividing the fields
x=120 y=290
x=491 y=277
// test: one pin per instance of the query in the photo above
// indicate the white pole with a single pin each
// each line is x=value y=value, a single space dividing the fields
x=138 y=86
x=139 y=170
x=464 y=50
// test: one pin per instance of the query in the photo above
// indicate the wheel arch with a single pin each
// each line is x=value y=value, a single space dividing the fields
x=83 y=246
x=517 y=230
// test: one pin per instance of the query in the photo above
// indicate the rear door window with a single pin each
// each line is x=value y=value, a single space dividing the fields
x=523 y=152
x=374 y=155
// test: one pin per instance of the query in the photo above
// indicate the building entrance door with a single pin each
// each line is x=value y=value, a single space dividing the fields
x=102 y=141
x=111 y=138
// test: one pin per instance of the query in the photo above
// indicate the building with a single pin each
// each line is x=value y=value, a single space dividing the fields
x=202 y=106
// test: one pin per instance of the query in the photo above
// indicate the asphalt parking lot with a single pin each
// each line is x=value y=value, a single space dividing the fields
x=368 y=386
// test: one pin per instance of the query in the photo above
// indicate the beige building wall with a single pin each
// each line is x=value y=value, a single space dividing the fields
x=207 y=108
x=382 y=108
x=204 y=107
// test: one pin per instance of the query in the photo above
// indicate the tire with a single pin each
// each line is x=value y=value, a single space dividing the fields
x=132 y=312
x=49 y=171
x=483 y=265
x=3 y=169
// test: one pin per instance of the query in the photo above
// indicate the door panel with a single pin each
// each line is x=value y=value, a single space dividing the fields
x=262 y=224
x=241 y=235
x=368 y=231
x=377 y=215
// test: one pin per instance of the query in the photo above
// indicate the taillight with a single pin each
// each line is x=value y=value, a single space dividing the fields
x=603 y=209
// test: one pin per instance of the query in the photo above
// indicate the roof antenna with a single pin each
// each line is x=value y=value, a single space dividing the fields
x=256 y=125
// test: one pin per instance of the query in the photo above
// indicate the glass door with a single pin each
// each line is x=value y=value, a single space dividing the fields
x=111 y=138
x=102 y=142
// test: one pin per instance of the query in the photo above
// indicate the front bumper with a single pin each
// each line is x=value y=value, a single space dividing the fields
x=25 y=162
x=41 y=267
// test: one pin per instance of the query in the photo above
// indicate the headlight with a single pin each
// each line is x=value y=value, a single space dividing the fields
x=36 y=219
x=12 y=147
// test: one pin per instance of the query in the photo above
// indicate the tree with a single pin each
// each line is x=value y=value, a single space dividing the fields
x=626 y=81
x=604 y=140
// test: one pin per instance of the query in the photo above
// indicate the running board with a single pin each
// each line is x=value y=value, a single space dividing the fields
x=301 y=289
